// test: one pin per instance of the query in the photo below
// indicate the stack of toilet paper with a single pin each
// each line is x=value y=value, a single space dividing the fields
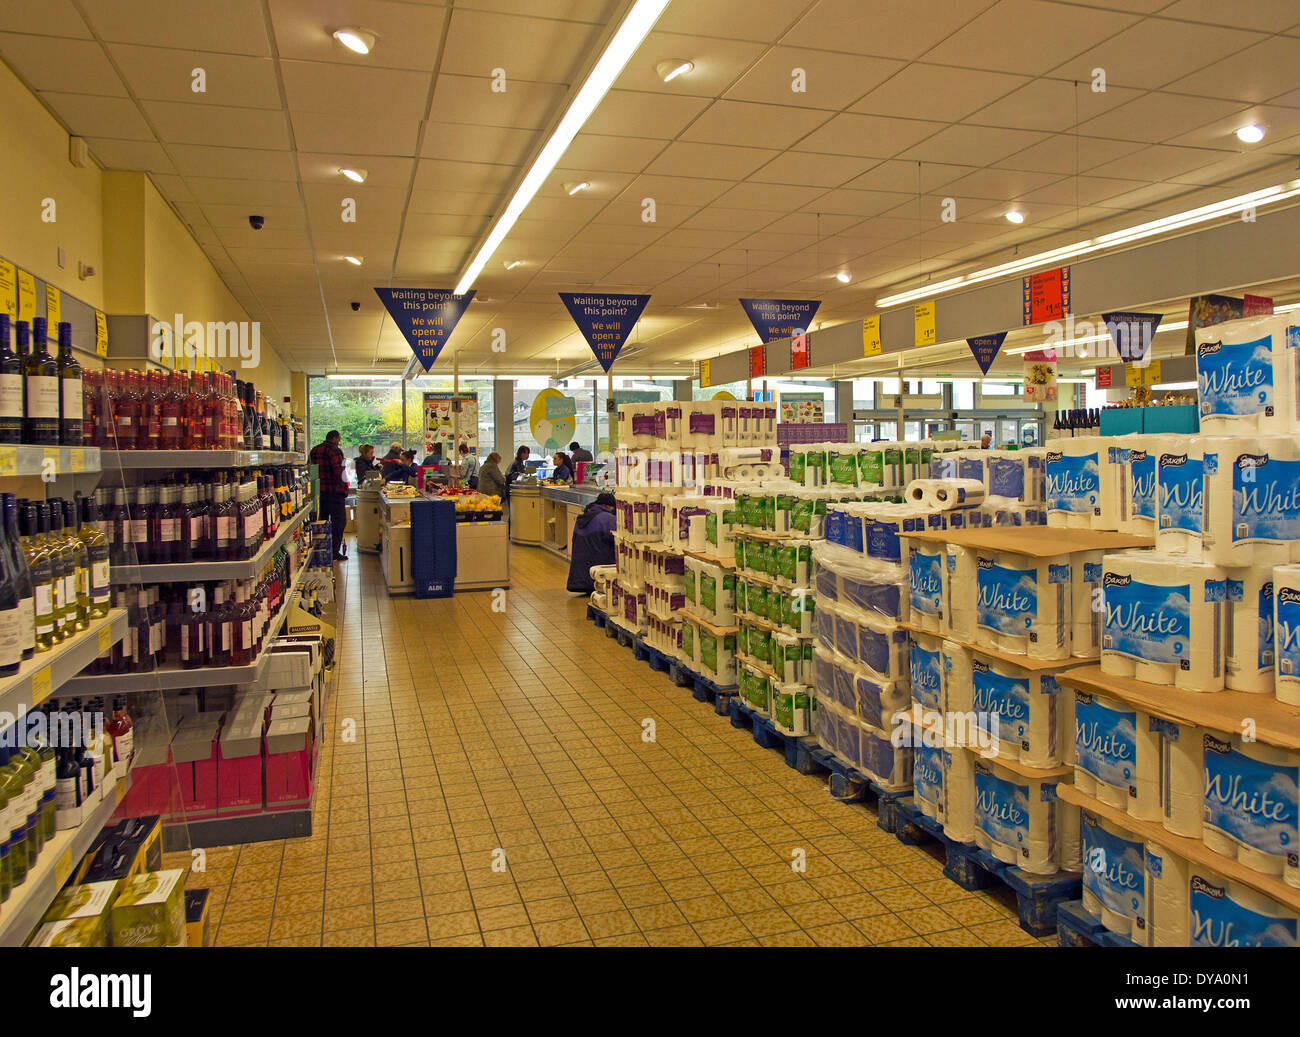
x=1114 y=876
x=1286 y=633
x=1251 y=805
x=1117 y=755
x=1020 y=821
x=1190 y=905
x=1022 y=604
x=866 y=584
x=1079 y=492
x=1247 y=377
x=1023 y=713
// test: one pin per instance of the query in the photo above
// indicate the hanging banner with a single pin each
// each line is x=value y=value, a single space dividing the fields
x=985 y=349
x=553 y=420
x=26 y=296
x=871 y=342
x=706 y=376
x=8 y=289
x=1046 y=295
x=605 y=321
x=758 y=362
x=923 y=324
x=780 y=318
x=1204 y=310
x=426 y=317
x=1256 y=306
x=1131 y=334
x=1040 y=382
x=800 y=353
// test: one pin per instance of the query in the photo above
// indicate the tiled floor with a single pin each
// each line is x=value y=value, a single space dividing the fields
x=502 y=790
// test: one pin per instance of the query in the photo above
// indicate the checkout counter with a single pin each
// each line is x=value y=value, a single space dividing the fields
x=482 y=549
x=545 y=515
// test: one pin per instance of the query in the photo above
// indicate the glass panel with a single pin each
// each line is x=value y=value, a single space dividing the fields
x=963 y=395
x=864 y=393
x=363 y=410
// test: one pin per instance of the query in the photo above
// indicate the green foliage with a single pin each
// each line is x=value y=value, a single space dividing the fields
x=361 y=415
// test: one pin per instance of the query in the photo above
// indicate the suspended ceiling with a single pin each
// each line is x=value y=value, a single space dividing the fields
x=758 y=189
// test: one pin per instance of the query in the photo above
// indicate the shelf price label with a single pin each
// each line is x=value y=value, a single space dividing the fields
x=53 y=308
x=63 y=868
x=923 y=324
x=8 y=289
x=101 y=333
x=41 y=685
x=8 y=461
x=26 y=295
x=105 y=638
x=78 y=462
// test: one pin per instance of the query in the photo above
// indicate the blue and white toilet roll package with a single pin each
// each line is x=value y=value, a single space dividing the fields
x=1248 y=627
x=1117 y=755
x=1085 y=604
x=1286 y=633
x=1022 y=604
x=1252 y=501
x=1163 y=620
x=1020 y=821
x=958 y=678
x=1133 y=467
x=1167 y=880
x=1224 y=913
x=925 y=670
x=1252 y=802
x=1247 y=377
x=1114 y=876
x=844 y=578
x=943 y=780
x=959 y=604
x=1180 y=487
x=926 y=560
x=1024 y=712
x=1077 y=495
x=1017 y=474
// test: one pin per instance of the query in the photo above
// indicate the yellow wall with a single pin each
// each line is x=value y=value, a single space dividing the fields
x=146 y=260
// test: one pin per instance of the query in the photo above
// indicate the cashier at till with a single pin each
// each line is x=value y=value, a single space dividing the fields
x=406 y=472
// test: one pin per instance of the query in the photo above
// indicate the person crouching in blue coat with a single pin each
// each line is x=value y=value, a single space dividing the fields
x=593 y=543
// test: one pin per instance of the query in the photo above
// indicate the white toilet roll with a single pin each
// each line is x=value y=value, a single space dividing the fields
x=959 y=606
x=1252 y=498
x=1016 y=818
x=925 y=670
x=1073 y=481
x=1163 y=620
x=1117 y=755
x=958 y=817
x=1251 y=804
x=1167 y=879
x=1114 y=875
x=925 y=584
x=1248 y=631
x=1023 y=604
x=1286 y=633
x=927 y=780
x=1085 y=603
x=1224 y=913
x=1247 y=377
x=1179 y=499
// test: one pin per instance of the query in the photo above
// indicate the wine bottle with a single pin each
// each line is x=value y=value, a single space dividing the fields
x=41 y=377
x=26 y=596
x=98 y=568
x=11 y=652
x=41 y=564
x=72 y=410
x=80 y=561
x=11 y=388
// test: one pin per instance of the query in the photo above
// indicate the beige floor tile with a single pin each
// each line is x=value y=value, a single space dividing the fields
x=676 y=936
x=559 y=933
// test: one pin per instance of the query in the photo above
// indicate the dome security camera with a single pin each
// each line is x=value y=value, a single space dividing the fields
x=356 y=306
x=256 y=222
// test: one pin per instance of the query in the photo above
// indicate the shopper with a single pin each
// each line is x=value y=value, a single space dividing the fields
x=593 y=543
x=518 y=467
x=390 y=460
x=328 y=459
x=577 y=453
x=563 y=467
x=985 y=440
x=406 y=472
x=365 y=462
x=490 y=480
x=468 y=466
x=434 y=458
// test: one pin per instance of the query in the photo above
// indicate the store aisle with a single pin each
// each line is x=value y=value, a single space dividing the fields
x=480 y=734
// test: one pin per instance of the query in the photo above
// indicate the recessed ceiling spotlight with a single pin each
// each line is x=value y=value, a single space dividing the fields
x=1250 y=134
x=359 y=41
x=1015 y=216
x=574 y=188
x=357 y=176
x=672 y=68
x=843 y=277
x=514 y=263
x=354 y=260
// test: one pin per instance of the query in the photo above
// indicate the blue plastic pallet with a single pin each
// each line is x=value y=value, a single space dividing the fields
x=848 y=785
x=680 y=675
x=1037 y=896
x=796 y=748
x=1076 y=928
x=596 y=616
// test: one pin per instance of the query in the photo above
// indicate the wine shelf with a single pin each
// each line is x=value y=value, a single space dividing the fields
x=172 y=679
x=56 y=460
x=177 y=459
x=246 y=569
x=27 y=904
x=44 y=674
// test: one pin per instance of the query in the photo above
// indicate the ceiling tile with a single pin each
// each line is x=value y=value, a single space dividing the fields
x=454 y=203
x=1051 y=104
x=43 y=17
x=1156 y=117
x=235 y=163
x=939 y=92
x=53 y=63
x=1264 y=15
x=869 y=136
x=773 y=125
x=86 y=115
x=491 y=144
x=826 y=80
x=774 y=198
x=763 y=20
x=229 y=27
x=635 y=113
x=373 y=93
x=218 y=125
x=1088 y=190
x=470 y=99
x=469 y=177
x=1061 y=153
x=529 y=49
x=222 y=191
x=856 y=203
x=233 y=80
x=224 y=216
x=1000 y=184
x=381 y=170
x=1258 y=73
x=611 y=154
x=680 y=190
x=803 y=167
x=887 y=28
x=409 y=34
x=128 y=154
x=323 y=131
x=689 y=159
x=979 y=144
x=895 y=175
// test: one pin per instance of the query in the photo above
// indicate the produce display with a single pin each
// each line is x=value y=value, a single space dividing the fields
x=472 y=505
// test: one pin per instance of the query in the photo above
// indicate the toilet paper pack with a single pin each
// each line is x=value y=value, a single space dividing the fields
x=1180 y=496
x=925 y=584
x=1230 y=914
x=1016 y=818
x=1017 y=474
x=1136 y=470
x=1286 y=633
x=1073 y=483
x=927 y=780
x=1114 y=876
x=1022 y=604
x=1117 y=755
x=1182 y=775
x=1167 y=878
x=1085 y=604
x=1252 y=501
x=1246 y=374
x=925 y=670
x=1019 y=710
x=1248 y=627
x=1252 y=802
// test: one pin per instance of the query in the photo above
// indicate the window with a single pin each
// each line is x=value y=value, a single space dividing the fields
x=963 y=394
x=362 y=410
x=737 y=389
x=864 y=393
x=415 y=390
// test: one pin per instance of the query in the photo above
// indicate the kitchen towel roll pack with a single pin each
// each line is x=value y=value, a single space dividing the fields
x=1252 y=800
x=1021 y=710
x=1247 y=377
x=1085 y=604
x=1286 y=633
x=1180 y=486
x=1225 y=913
x=1016 y=818
x=1074 y=485
x=925 y=584
x=1167 y=881
x=1114 y=876
x=1022 y=604
x=842 y=464
x=1248 y=628
x=1252 y=500
x=881 y=464
x=1117 y=755
x=1163 y=620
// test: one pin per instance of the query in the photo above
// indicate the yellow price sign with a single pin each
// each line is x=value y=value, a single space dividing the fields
x=1147 y=375
x=706 y=376
x=1153 y=372
x=53 y=308
x=8 y=289
x=105 y=638
x=101 y=334
x=63 y=867
x=78 y=460
x=41 y=686
x=26 y=296
x=8 y=461
x=923 y=323
x=871 y=342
